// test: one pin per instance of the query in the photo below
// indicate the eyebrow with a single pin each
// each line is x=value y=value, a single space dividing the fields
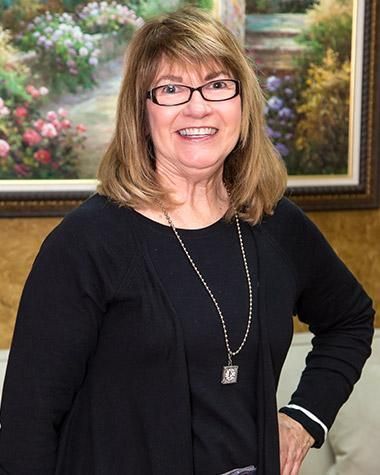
x=209 y=76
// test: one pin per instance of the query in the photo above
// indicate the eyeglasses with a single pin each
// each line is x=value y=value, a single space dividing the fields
x=177 y=94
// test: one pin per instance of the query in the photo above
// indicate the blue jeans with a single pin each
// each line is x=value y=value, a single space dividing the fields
x=241 y=471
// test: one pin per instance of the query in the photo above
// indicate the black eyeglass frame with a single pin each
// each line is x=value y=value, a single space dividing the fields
x=151 y=94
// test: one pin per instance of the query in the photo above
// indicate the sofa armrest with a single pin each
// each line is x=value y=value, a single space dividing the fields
x=353 y=442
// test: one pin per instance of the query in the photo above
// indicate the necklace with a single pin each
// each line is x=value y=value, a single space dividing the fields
x=230 y=371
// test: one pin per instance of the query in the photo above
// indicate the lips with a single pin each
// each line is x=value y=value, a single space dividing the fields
x=197 y=132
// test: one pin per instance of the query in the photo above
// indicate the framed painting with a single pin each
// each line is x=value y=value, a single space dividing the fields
x=358 y=186
x=321 y=74
x=54 y=128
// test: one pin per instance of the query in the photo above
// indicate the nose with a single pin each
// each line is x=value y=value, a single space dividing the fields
x=197 y=106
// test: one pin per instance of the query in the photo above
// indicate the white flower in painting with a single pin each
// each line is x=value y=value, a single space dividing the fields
x=83 y=51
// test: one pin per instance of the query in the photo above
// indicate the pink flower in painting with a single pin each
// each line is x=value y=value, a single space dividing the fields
x=31 y=137
x=62 y=112
x=21 y=169
x=65 y=124
x=51 y=115
x=43 y=156
x=33 y=91
x=81 y=128
x=21 y=112
x=1 y=103
x=38 y=124
x=44 y=91
x=57 y=124
x=49 y=131
x=4 y=111
x=4 y=148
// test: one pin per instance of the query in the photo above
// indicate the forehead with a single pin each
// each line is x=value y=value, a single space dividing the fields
x=176 y=70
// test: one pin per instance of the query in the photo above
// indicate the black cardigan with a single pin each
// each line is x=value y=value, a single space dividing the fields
x=97 y=382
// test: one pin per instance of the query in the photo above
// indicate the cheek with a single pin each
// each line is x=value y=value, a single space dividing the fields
x=158 y=122
x=234 y=116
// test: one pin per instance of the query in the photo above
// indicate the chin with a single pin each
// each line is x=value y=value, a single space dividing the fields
x=202 y=162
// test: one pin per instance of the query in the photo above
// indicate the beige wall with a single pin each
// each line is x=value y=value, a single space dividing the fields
x=355 y=235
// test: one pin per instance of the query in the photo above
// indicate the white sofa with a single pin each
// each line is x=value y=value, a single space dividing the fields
x=353 y=443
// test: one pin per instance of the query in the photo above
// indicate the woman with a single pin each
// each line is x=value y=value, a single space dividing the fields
x=157 y=316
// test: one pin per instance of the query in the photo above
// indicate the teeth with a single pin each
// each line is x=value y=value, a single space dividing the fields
x=197 y=131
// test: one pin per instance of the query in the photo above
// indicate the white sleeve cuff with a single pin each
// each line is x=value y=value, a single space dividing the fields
x=310 y=415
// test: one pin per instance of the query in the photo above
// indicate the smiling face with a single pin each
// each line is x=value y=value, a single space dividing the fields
x=193 y=139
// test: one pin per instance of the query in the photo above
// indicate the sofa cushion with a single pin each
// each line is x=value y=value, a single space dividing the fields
x=354 y=436
x=352 y=444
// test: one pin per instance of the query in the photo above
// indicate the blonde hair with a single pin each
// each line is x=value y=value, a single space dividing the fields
x=254 y=173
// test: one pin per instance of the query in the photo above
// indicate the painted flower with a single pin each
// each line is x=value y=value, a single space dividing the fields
x=273 y=83
x=4 y=148
x=49 y=131
x=21 y=112
x=274 y=134
x=43 y=91
x=93 y=61
x=31 y=137
x=62 y=112
x=1 y=103
x=81 y=128
x=275 y=103
x=83 y=51
x=285 y=113
x=21 y=169
x=33 y=91
x=65 y=124
x=43 y=156
x=283 y=149
x=38 y=124
x=4 y=111
x=41 y=40
x=57 y=124
x=51 y=115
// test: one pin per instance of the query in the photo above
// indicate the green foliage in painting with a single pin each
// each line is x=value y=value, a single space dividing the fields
x=19 y=13
x=149 y=8
x=330 y=27
x=205 y=4
x=322 y=131
x=71 y=5
x=279 y=6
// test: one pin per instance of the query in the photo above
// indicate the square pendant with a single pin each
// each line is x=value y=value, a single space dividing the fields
x=230 y=374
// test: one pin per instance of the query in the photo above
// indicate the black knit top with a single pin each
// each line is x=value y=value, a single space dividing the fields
x=107 y=363
x=223 y=416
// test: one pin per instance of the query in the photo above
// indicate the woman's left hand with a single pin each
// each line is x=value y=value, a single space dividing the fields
x=295 y=442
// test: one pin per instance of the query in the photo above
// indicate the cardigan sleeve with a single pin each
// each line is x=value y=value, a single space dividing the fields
x=56 y=331
x=340 y=315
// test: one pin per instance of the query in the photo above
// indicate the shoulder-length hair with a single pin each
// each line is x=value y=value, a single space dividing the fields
x=254 y=173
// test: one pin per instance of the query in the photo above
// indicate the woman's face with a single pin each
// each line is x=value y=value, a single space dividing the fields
x=193 y=139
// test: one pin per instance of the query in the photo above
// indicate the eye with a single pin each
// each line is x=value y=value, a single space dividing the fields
x=170 y=89
x=218 y=85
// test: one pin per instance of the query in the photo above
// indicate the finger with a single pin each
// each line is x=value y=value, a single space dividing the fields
x=295 y=468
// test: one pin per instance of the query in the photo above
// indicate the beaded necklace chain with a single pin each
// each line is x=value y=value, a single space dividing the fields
x=230 y=371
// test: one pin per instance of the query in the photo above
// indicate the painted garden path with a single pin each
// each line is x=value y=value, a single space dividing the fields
x=270 y=40
x=96 y=110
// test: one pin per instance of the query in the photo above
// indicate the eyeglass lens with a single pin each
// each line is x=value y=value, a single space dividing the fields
x=172 y=94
